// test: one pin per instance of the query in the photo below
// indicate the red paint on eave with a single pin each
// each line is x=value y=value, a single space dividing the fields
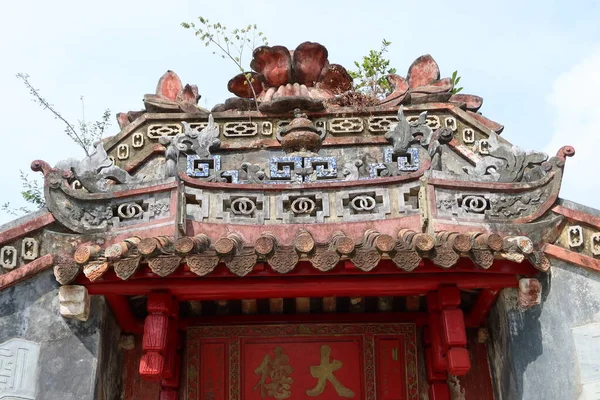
x=578 y=216
x=572 y=257
x=26 y=227
x=272 y=287
x=26 y=271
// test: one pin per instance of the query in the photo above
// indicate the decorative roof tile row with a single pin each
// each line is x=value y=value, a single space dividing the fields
x=165 y=255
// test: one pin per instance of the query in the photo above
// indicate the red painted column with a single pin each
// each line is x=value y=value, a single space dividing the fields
x=159 y=342
x=445 y=340
x=170 y=385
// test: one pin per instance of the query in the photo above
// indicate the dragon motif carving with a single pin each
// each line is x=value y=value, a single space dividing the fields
x=96 y=171
x=507 y=163
x=190 y=141
x=405 y=134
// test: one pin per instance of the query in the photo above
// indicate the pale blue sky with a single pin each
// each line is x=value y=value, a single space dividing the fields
x=536 y=63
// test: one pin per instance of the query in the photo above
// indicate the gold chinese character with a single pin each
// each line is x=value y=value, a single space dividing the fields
x=324 y=373
x=278 y=371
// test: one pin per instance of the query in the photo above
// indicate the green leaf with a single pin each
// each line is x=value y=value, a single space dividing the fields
x=457 y=80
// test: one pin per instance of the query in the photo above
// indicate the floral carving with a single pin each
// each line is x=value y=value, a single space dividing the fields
x=202 y=264
x=284 y=260
x=325 y=259
x=517 y=205
x=365 y=260
x=241 y=265
x=164 y=265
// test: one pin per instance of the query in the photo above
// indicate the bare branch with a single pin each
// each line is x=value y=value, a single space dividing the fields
x=69 y=130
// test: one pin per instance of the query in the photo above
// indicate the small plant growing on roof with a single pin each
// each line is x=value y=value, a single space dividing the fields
x=372 y=71
x=232 y=45
x=455 y=79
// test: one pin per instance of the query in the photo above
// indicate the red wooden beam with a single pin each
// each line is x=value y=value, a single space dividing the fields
x=304 y=268
x=122 y=312
x=418 y=318
x=481 y=308
x=291 y=287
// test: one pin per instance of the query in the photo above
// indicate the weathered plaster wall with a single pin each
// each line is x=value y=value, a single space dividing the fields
x=77 y=360
x=534 y=353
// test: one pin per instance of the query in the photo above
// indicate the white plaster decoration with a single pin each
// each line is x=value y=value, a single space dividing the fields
x=18 y=369
x=8 y=257
x=587 y=348
x=575 y=236
x=29 y=249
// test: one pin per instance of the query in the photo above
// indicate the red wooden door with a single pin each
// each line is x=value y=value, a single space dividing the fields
x=308 y=361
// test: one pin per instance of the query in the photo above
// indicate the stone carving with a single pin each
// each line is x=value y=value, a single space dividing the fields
x=474 y=204
x=516 y=205
x=302 y=208
x=74 y=302
x=191 y=142
x=130 y=211
x=251 y=173
x=156 y=131
x=18 y=369
x=29 y=249
x=243 y=209
x=243 y=206
x=240 y=129
x=8 y=257
x=300 y=135
x=157 y=209
x=97 y=171
x=363 y=205
x=504 y=162
x=195 y=204
x=575 y=236
x=346 y=125
x=404 y=133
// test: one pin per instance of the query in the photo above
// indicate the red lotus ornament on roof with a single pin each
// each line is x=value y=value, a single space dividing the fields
x=299 y=78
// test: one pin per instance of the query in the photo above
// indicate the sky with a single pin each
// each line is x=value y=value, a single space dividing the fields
x=535 y=63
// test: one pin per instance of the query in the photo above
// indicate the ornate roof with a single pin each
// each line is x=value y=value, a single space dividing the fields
x=303 y=176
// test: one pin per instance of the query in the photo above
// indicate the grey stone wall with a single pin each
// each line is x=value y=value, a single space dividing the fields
x=77 y=360
x=547 y=352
